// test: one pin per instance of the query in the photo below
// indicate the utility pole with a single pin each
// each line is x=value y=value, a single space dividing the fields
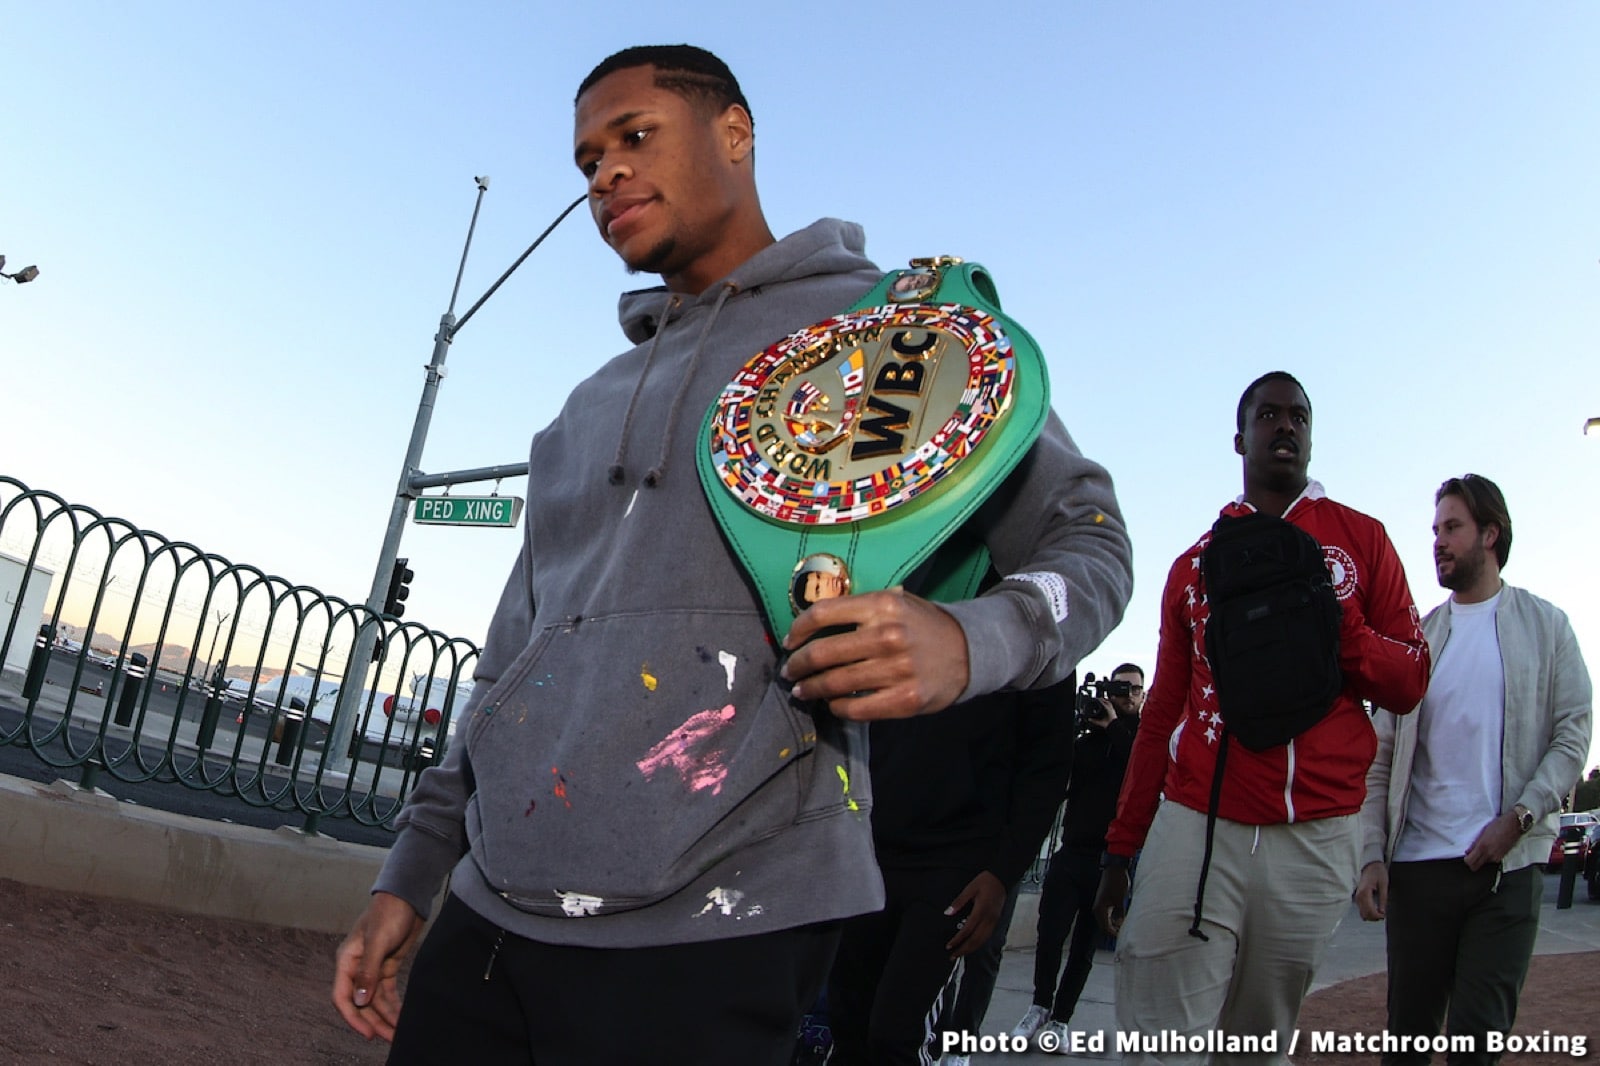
x=211 y=656
x=336 y=756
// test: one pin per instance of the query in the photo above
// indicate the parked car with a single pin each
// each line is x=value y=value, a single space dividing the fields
x=1590 y=851
x=1583 y=819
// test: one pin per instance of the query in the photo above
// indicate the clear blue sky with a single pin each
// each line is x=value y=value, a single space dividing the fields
x=248 y=218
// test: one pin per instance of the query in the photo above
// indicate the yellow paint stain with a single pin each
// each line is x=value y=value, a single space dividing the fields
x=647 y=677
x=1099 y=518
x=809 y=738
x=784 y=754
x=844 y=778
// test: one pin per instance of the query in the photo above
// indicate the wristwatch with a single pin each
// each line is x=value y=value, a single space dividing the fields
x=1524 y=818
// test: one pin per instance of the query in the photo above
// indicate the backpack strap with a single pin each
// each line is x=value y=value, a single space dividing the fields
x=1211 y=829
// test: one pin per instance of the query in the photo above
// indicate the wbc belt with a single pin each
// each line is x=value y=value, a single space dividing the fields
x=842 y=457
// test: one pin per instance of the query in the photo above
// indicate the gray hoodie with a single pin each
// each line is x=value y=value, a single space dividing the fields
x=630 y=770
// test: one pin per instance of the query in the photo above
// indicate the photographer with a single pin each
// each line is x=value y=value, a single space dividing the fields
x=1108 y=716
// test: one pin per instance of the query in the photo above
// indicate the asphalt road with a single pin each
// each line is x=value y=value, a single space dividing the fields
x=258 y=793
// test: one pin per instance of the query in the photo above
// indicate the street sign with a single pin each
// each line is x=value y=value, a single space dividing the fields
x=467 y=510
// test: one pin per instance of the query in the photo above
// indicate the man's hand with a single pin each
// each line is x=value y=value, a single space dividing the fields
x=988 y=898
x=904 y=657
x=1105 y=720
x=1372 y=892
x=1497 y=838
x=1108 y=910
x=368 y=962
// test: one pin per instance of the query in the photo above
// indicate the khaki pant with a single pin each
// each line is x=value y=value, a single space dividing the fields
x=1274 y=897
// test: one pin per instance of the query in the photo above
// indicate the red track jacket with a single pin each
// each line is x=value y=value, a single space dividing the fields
x=1321 y=773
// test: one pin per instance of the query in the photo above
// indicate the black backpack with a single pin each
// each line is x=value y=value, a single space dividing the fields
x=1272 y=640
x=1273 y=635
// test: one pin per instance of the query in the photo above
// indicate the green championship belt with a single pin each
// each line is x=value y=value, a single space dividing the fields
x=842 y=457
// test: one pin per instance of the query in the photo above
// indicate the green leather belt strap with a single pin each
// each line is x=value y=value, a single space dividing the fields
x=841 y=458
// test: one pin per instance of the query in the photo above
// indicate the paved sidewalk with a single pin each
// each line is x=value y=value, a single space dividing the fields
x=1357 y=951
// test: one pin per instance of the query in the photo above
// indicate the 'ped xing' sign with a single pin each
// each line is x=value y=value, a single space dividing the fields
x=494 y=511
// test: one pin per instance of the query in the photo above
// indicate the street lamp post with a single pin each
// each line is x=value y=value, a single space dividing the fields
x=336 y=756
x=21 y=277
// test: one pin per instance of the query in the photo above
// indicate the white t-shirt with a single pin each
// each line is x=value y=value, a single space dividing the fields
x=1455 y=778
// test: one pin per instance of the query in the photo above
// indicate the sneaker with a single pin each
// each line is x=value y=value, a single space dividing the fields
x=1052 y=1038
x=1031 y=1022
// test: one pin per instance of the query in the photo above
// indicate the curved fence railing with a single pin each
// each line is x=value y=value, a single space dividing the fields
x=131 y=656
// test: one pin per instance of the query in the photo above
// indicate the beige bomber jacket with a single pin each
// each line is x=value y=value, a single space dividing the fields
x=1548 y=704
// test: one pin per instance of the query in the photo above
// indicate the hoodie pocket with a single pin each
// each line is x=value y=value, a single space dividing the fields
x=627 y=755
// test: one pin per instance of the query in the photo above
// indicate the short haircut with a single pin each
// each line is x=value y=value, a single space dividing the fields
x=1487 y=506
x=1250 y=391
x=1128 y=668
x=693 y=73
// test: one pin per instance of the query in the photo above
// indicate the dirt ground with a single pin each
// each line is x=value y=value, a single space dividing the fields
x=105 y=983
x=93 y=982
x=1557 y=999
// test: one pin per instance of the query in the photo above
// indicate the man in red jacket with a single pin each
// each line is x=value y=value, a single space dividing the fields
x=1286 y=850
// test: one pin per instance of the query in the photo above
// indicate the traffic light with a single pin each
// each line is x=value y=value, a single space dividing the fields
x=394 y=604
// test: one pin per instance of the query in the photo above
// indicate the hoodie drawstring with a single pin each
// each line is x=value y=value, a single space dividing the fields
x=654 y=475
x=614 y=474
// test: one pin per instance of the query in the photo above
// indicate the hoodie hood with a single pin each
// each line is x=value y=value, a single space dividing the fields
x=825 y=249
x=827 y=246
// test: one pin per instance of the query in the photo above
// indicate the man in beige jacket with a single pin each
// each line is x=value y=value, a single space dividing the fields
x=1461 y=799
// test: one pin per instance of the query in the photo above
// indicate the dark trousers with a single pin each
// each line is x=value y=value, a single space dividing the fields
x=1459 y=947
x=478 y=995
x=891 y=968
x=1066 y=907
x=966 y=1000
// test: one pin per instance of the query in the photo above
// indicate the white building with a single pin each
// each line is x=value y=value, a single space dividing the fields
x=31 y=614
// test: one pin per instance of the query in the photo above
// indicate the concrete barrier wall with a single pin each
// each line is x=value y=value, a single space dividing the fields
x=55 y=836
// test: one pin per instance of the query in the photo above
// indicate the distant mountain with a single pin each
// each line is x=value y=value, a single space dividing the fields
x=175 y=657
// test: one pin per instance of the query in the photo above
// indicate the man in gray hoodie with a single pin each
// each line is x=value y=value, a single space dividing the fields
x=652 y=807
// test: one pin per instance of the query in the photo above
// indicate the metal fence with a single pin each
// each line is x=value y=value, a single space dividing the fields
x=131 y=656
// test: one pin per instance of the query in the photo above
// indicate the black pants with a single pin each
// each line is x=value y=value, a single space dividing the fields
x=716 y=1003
x=1459 y=944
x=1066 y=906
x=891 y=968
x=966 y=1002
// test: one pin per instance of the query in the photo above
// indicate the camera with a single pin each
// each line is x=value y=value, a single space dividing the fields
x=1092 y=691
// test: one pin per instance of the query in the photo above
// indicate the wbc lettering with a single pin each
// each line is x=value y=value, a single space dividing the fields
x=888 y=430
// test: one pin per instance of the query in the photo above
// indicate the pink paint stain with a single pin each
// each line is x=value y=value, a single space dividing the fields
x=699 y=769
x=560 y=788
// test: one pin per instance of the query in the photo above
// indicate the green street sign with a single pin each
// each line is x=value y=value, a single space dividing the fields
x=501 y=511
